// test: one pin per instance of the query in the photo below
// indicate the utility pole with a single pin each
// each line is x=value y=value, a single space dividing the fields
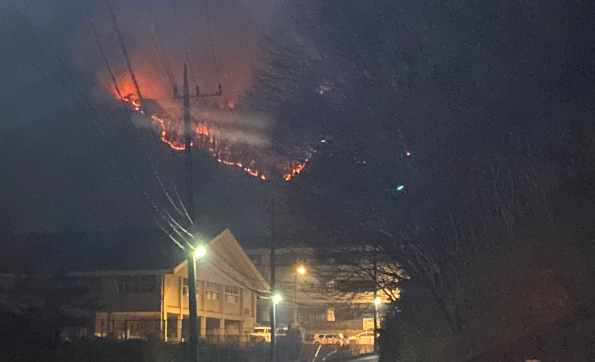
x=272 y=312
x=189 y=180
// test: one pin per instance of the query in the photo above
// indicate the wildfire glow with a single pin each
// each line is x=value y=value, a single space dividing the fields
x=255 y=162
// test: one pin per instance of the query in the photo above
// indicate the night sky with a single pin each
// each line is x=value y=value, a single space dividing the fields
x=401 y=93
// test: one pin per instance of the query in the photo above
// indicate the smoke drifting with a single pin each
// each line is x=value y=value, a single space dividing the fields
x=221 y=44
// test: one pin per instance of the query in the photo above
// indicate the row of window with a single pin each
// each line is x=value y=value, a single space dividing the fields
x=147 y=284
x=213 y=292
x=136 y=283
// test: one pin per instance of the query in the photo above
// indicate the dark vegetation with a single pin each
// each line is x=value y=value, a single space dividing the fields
x=483 y=112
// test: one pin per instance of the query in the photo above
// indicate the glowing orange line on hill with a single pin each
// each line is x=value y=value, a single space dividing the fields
x=206 y=136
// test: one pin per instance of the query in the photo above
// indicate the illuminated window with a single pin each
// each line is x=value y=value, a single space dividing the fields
x=330 y=315
x=212 y=291
x=232 y=294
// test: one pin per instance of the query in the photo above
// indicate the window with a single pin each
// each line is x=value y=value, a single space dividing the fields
x=247 y=302
x=185 y=287
x=136 y=284
x=212 y=291
x=330 y=315
x=232 y=294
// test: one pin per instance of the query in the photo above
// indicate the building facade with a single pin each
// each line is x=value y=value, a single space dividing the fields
x=335 y=291
x=144 y=302
x=154 y=303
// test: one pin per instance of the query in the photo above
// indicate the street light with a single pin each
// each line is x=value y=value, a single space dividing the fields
x=200 y=252
x=301 y=270
x=277 y=298
x=377 y=303
x=193 y=255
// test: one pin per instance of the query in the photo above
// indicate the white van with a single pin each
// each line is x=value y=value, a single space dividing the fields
x=261 y=334
x=329 y=338
x=363 y=338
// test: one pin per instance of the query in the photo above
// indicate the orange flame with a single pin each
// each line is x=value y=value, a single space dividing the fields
x=204 y=137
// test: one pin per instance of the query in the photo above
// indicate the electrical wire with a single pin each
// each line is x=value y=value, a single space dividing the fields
x=153 y=168
x=211 y=42
x=124 y=51
x=161 y=50
x=93 y=114
x=184 y=45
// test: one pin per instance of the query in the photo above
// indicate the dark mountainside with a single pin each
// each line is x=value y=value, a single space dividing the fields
x=458 y=138
x=483 y=112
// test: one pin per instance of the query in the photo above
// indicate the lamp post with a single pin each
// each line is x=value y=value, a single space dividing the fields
x=377 y=302
x=275 y=299
x=198 y=253
x=301 y=270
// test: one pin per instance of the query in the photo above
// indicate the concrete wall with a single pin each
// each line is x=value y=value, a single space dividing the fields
x=112 y=300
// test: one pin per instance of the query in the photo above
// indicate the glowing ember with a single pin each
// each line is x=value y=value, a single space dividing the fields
x=258 y=162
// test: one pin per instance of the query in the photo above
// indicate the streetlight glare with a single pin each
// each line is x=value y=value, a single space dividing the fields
x=301 y=270
x=277 y=298
x=200 y=252
x=378 y=301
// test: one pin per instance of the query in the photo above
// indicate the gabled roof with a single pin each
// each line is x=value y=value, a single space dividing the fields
x=226 y=257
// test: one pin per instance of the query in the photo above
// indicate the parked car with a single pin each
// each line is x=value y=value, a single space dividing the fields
x=363 y=338
x=281 y=332
x=260 y=335
x=329 y=338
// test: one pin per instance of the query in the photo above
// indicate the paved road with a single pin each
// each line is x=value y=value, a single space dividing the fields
x=366 y=359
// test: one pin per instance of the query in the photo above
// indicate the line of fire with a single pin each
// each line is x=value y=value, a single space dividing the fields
x=263 y=161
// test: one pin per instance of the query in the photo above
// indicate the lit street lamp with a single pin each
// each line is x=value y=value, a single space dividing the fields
x=301 y=270
x=198 y=253
x=275 y=299
x=377 y=303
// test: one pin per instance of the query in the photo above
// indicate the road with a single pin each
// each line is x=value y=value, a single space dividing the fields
x=373 y=358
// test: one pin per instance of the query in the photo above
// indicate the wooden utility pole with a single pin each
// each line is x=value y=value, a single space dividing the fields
x=189 y=180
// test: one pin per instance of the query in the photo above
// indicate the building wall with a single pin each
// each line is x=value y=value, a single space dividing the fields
x=116 y=295
x=320 y=303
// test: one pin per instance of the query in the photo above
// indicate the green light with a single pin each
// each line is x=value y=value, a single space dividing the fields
x=400 y=188
x=323 y=140
x=277 y=298
x=200 y=252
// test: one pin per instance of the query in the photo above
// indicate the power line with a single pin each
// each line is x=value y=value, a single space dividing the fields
x=184 y=45
x=109 y=68
x=124 y=51
x=211 y=42
x=94 y=118
x=161 y=51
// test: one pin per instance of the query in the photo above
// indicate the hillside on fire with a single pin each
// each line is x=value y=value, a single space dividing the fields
x=282 y=180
